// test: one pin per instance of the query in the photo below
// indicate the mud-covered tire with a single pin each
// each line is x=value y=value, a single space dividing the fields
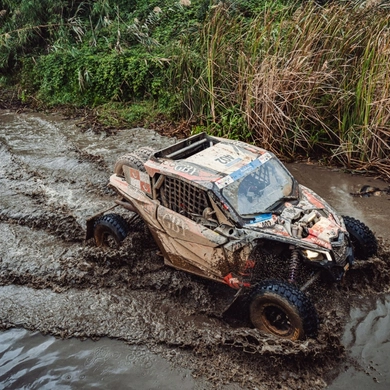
x=131 y=160
x=363 y=240
x=144 y=153
x=110 y=230
x=281 y=309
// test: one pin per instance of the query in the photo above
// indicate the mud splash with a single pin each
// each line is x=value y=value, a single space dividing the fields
x=52 y=177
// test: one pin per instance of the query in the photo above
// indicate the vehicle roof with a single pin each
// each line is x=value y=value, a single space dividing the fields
x=203 y=159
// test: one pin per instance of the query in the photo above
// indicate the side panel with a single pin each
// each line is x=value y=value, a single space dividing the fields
x=186 y=245
x=187 y=242
x=182 y=228
x=146 y=207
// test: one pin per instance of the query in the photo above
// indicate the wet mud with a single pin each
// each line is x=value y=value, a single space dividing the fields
x=52 y=177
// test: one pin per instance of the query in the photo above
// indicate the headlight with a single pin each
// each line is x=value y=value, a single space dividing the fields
x=317 y=256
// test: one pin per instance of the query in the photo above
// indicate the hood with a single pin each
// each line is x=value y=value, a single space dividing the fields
x=311 y=220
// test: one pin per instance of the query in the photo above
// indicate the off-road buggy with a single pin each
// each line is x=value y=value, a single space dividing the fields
x=231 y=212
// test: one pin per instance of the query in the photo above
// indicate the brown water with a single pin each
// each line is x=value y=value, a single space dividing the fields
x=157 y=327
x=31 y=360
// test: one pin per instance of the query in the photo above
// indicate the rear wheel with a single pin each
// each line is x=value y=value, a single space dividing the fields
x=110 y=230
x=363 y=240
x=144 y=153
x=281 y=309
x=131 y=160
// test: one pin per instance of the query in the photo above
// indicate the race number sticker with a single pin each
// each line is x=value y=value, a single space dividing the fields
x=228 y=160
x=263 y=221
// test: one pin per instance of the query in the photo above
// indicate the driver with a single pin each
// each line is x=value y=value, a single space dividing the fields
x=249 y=189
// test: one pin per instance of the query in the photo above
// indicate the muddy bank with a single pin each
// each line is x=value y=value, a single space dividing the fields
x=53 y=176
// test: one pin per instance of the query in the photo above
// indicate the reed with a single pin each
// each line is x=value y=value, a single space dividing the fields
x=304 y=79
x=298 y=79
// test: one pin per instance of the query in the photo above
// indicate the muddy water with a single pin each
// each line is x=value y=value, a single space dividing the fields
x=31 y=360
x=367 y=332
x=171 y=332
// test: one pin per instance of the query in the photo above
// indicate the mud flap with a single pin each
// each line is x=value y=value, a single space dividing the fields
x=348 y=265
x=235 y=299
x=237 y=309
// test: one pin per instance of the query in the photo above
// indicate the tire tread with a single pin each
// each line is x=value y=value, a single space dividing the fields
x=144 y=153
x=364 y=240
x=116 y=223
x=131 y=160
x=297 y=298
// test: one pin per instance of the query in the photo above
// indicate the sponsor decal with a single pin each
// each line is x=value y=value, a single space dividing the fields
x=313 y=200
x=139 y=179
x=318 y=241
x=263 y=221
x=235 y=282
x=243 y=171
x=183 y=168
x=174 y=224
x=221 y=183
x=264 y=157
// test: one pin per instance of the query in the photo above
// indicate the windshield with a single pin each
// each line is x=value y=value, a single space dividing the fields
x=260 y=187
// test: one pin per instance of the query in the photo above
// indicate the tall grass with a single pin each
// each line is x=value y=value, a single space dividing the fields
x=304 y=79
x=298 y=79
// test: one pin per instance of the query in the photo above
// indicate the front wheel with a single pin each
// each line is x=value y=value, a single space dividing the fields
x=110 y=230
x=281 y=309
x=363 y=240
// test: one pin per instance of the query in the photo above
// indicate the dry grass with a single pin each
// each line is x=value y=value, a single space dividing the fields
x=306 y=80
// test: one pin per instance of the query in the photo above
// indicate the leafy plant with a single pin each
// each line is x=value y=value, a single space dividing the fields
x=293 y=77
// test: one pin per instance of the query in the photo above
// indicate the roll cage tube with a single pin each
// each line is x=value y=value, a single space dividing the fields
x=260 y=187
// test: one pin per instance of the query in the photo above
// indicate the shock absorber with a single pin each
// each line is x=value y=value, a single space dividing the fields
x=294 y=265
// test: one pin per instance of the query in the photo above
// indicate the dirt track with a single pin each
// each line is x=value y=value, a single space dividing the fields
x=52 y=176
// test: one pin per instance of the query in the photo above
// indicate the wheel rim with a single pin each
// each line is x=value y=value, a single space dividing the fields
x=109 y=241
x=273 y=315
x=276 y=320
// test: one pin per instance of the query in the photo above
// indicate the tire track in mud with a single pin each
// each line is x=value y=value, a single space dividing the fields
x=53 y=177
x=53 y=174
x=37 y=199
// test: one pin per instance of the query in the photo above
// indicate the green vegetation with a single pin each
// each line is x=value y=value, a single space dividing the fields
x=295 y=78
